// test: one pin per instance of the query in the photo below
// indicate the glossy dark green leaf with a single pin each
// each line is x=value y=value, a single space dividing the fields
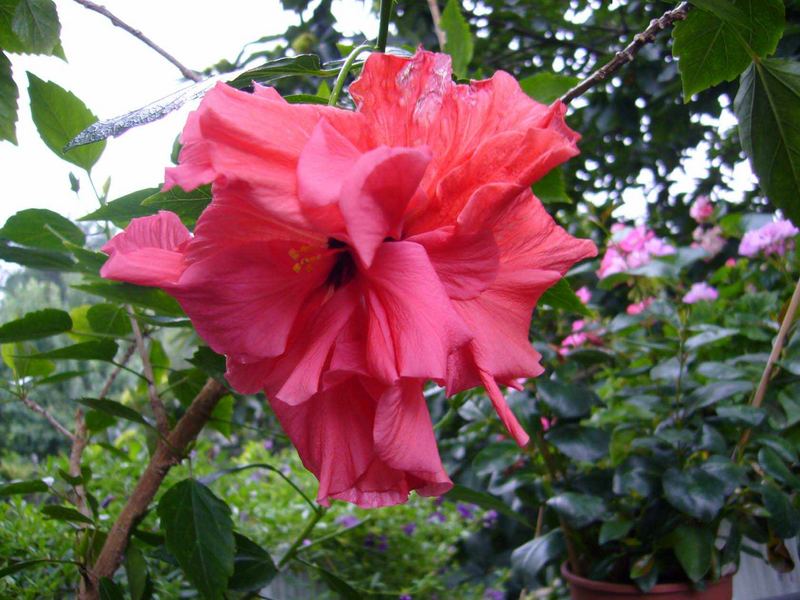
x=694 y=492
x=636 y=475
x=253 y=567
x=133 y=294
x=109 y=319
x=458 y=39
x=774 y=466
x=749 y=416
x=711 y=440
x=531 y=558
x=114 y=409
x=461 y=493
x=32 y=486
x=59 y=115
x=41 y=228
x=35 y=325
x=568 y=401
x=693 y=549
x=709 y=335
x=93 y=350
x=768 y=108
x=547 y=87
x=783 y=516
x=729 y=474
x=8 y=101
x=711 y=393
x=563 y=297
x=711 y=50
x=780 y=446
x=121 y=210
x=579 y=510
x=187 y=205
x=36 y=26
x=579 y=443
x=199 y=534
x=59 y=512
x=496 y=457
x=614 y=529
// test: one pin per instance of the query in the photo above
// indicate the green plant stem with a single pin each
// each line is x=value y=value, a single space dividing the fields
x=312 y=522
x=344 y=71
x=383 y=29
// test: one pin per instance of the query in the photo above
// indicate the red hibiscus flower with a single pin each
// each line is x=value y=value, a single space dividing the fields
x=349 y=257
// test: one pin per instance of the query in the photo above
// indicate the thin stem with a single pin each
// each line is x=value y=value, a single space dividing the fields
x=345 y=70
x=383 y=29
x=777 y=348
x=185 y=71
x=162 y=421
x=39 y=409
x=436 y=17
x=312 y=522
x=627 y=55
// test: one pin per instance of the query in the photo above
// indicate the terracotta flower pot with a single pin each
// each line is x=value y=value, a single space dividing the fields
x=587 y=589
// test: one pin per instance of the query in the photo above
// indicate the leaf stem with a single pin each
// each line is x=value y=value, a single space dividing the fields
x=312 y=522
x=383 y=29
x=344 y=71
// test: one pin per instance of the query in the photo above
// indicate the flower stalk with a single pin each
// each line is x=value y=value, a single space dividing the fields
x=383 y=28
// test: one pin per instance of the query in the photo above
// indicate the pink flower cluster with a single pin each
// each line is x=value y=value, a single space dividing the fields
x=639 y=307
x=701 y=209
x=700 y=292
x=772 y=238
x=581 y=333
x=710 y=240
x=632 y=247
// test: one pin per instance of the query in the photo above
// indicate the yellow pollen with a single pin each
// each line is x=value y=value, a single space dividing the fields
x=302 y=260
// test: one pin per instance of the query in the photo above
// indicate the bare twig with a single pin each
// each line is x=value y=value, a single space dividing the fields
x=627 y=55
x=436 y=16
x=115 y=373
x=185 y=71
x=39 y=409
x=164 y=458
x=774 y=355
x=162 y=421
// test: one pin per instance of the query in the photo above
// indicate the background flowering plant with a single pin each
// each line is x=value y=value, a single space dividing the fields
x=388 y=248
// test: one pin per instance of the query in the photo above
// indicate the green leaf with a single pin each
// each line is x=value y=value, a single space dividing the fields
x=614 y=529
x=784 y=517
x=199 y=534
x=253 y=567
x=749 y=416
x=552 y=188
x=458 y=39
x=587 y=444
x=694 y=492
x=114 y=409
x=121 y=210
x=65 y=513
x=579 y=510
x=461 y=493
x=693 y=549
x=45 y=260
x=14 y=356
x=109 y=319
x=133 y=294
x=711 y=393
x=546 y=87
x=222 y=416
x=12 y=568
x=35 y=325
x=59 y=115
x=724 y=10
x=306 y=99
x=302 y=64
x=32 y=486
x=565 y=400
x=208 y=361
x=36 y=26
x=109 y=590
x=636 y=475
x=41 y=228
x=187 y=205
x=8 y=101
x=94 y=350
x=336 y=584
x=774 y=466
x=768 y=108
x=138 y=578
x=531 y=558
x=709 y=335
x=710 y=50
x=562 y=296
x=729 y=474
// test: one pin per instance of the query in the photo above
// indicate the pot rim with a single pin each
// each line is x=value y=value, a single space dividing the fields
x=603 y=586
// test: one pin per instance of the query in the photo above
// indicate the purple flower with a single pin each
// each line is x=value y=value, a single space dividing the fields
x=467 y=511
x=306 y=542
x=348 y=521
x=772 y=238
x=383 y=544
x=409 y=528
x=700 y=292
x=492 y=594
x=405 y=597
x=437 y=517
x=490 y=518
x=268 y=444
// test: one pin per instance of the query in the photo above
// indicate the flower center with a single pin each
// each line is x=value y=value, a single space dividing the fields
x=344 y=269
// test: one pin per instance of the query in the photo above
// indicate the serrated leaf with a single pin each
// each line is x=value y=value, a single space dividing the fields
x=768 y=108
x=35 y=325
x=253 y=567
x=565 y=400
x=693 y=549
x=104 y=350
x=724 y=10
x=562 y=296
x=65 y=513
x=547 y=87
x=133 y=294
x=458 y=39
x=59 y=115
x=36 y=25
x=109 y=319
x=121 y=210
x=187 y=205
x=32 y=486
x=41 y=228
x=711 y=50
x=199 y=534
x=114 y=409
x=8 y=101
x=552 y=188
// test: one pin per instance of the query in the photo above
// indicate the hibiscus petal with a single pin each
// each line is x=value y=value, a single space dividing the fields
x=375 y=194
x=504 y=412
x=412 y=323
x=244 y=299
x=148 y=252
